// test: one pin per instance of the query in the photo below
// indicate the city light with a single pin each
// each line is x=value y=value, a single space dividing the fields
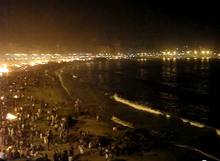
x=38 y=62
x=35 y=59
x=32 y=63
x=10 y=117
x=17 y=65
x=16 y=97
x=4 y=70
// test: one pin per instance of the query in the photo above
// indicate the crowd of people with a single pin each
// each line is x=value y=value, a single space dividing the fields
x=23 y=134
x=18 y=134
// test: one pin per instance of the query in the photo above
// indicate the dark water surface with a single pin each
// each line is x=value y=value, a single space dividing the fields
x=190 y=89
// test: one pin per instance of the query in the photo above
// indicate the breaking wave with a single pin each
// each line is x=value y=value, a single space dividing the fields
x=61 y=81
x=201 y=152
x=218 y=131
x=193 y=123
x=136 y=106
x=150 y=110
x=121 y=122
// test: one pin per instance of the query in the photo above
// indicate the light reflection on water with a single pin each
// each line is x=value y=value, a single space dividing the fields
x=182 y=87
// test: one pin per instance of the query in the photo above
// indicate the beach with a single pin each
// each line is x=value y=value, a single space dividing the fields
x=50 y=88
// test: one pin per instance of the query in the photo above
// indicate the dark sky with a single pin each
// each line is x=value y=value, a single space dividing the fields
x=151 y=24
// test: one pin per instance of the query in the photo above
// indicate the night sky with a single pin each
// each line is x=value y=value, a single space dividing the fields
x=135 y=23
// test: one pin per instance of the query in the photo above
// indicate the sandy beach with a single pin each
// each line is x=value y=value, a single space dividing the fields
x=54 y=92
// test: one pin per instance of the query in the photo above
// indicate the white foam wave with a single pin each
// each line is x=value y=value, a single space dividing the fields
x=218 y=131
x=136 y=106
x=184 y=120
x=147 y=109
x=121 y=122
x=62 y=84
x=193 y=123
x=197 y=124
x=194 y=149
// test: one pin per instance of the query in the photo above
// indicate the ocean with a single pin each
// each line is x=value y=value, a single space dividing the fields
x=164 y=95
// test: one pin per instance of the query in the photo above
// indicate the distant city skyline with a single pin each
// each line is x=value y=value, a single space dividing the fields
x=13 y=48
